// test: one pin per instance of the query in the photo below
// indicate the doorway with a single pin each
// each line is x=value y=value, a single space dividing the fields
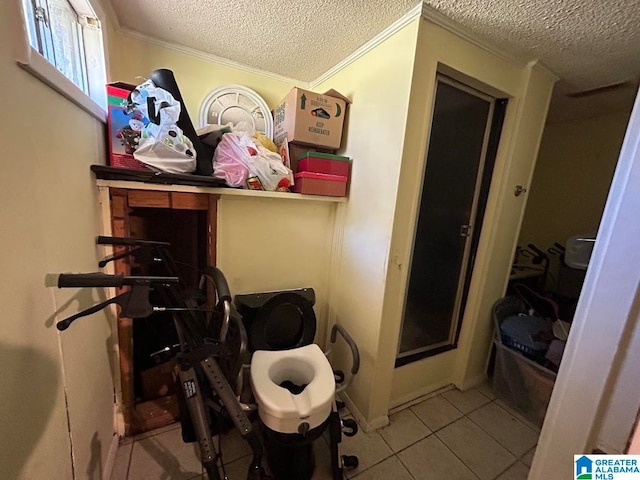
x=465 y=132
x=571 y=183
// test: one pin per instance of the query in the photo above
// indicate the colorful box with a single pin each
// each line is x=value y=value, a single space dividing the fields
x=125 y=125
x=320 y=184
x=310 y=118
x=324 y=163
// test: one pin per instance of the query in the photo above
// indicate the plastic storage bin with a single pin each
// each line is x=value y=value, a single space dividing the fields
x=579 y=248
x=320 y=184
x=522 y=384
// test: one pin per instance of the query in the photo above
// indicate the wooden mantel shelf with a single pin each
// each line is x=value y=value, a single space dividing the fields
x=231 y=192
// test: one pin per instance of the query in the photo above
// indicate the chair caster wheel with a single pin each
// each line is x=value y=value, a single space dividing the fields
x=340 y=404
x=350 y=427
x=349 y=462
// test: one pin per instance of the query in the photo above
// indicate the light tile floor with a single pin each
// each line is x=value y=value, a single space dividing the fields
x=454 y=436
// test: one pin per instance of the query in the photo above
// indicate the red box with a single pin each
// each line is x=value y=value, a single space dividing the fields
x=324 y=163
x=320 y=184
x=125 y=127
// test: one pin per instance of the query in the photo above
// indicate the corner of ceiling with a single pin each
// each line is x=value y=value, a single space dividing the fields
x=434 y=16
x=538 y=65
x=128 y=32
x=370 y=45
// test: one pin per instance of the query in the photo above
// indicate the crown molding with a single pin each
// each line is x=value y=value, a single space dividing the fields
x=370 y=45
x=434 y=16
x=538 y=65
x=127 y=32
x=420 y=10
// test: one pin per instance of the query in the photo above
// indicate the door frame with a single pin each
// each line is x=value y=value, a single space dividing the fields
x=528 y=89
x=608 y=310
x=467 y=260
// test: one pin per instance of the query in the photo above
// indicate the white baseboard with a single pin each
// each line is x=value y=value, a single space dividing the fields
x=468 y=383
x=374 y=424
x=417 y=397
x=111 y=458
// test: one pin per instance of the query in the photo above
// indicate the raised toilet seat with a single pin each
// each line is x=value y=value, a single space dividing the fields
x=279 y=408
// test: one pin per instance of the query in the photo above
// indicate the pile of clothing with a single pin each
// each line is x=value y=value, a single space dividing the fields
x=537 y=334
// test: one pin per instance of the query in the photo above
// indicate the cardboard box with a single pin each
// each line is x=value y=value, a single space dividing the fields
x=125 y=127
x=310 y=118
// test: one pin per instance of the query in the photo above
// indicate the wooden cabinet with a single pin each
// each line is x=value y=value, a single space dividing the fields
x=188 y=221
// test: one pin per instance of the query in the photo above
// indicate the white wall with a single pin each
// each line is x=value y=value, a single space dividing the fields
x=49 y=218
x=621 y=402
x=133 y=58
x=378 y=83
x=267 y=244
x=572 y=178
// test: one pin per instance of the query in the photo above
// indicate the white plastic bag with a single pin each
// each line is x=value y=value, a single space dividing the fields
x=238 y=158
x=231 y=159
x=270 y=169
x=162 y=144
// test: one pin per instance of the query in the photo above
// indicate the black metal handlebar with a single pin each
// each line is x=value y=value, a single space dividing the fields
x=129 y=242
x=99 y=279
x=537 y=251
x=220 y=282
x=66 y=323
x=224 y=297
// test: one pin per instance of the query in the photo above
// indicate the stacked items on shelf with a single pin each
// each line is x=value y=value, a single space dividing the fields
x=322 y=174
x=308 y=129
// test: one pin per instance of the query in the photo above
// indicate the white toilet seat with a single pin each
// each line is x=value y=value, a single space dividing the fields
x=281 y=410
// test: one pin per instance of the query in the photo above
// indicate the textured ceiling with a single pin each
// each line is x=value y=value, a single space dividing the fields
x=587 y=43
x=298 y=39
